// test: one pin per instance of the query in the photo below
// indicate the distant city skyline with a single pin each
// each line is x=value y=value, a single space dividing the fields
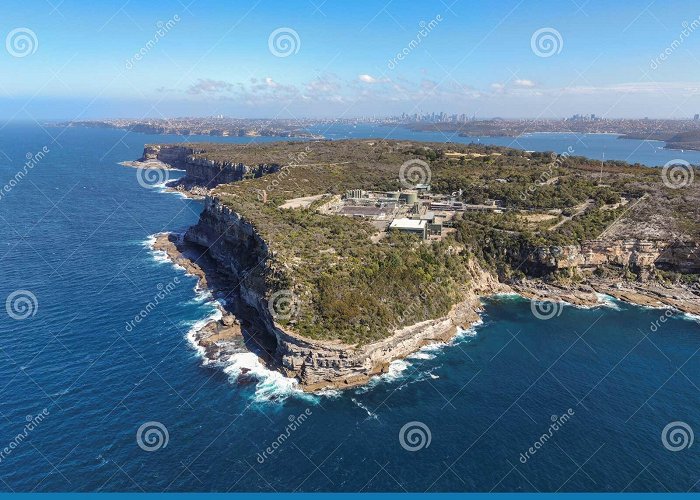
x=428 y=116
x=312 y=59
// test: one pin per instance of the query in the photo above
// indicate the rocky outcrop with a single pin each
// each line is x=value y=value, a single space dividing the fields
x=682 y=258
x=202 y=171
x=320 y=364
x=243 y=255
x=635 y=254
x=175 y=156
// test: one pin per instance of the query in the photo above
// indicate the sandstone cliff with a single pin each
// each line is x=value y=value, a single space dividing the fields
x=242 y=254
x=638 y=255
x=202 y=171
x=248 y=264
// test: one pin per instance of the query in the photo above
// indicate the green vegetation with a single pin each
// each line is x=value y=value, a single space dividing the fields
x=353 y=286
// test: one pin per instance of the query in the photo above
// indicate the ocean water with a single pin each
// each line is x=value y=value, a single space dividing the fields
x=92 y=400
x=596 y=146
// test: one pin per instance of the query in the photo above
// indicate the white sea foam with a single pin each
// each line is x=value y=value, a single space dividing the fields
x=469 y=332
x=367 y=410
x=159 y=256
x=427 y=374
x=201 y=296
x=608 y=301
x=179 y=194
x=149 y=241
x=691 y=317
x=215 y=315
x=421 y=355
x=270 y=385
x=396 y=369
x=330 y=393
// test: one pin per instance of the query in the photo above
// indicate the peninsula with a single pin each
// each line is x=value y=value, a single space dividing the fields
x=337 y=257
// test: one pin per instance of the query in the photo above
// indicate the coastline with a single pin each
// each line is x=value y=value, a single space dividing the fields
x=244 y=325
x=652 y=295
x=149 y=164
x=217 y=337
x=223 y=336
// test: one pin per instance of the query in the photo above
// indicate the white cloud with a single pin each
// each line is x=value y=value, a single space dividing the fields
x=524 y=83
x=371 y=80
x=683 y=88
x=209 y=86
x=367 y=79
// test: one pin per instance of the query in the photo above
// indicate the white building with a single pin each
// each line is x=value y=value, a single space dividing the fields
x=414 y=226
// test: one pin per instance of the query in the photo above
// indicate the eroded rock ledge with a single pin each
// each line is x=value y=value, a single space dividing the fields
x=202 y=171
x=230 y=257
x=239 y=257
x=242 y=258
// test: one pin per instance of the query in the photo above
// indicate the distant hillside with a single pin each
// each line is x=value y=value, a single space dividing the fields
x=684 y=140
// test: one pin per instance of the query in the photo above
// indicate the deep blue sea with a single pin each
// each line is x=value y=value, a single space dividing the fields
x=607 y=398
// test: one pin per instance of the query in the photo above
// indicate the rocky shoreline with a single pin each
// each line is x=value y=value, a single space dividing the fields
x=228 y=256
x=586 y=295
x=236 y=331
x=219 y=337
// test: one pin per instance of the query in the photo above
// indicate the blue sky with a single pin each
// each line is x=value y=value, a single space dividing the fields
x=74 y=60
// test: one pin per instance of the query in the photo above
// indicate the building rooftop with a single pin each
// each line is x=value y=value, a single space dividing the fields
x=367 y=211
x=407 y=224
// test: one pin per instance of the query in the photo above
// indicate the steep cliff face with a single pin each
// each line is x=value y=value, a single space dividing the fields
x=636 y=254
x=319 y=364
x=202 y=171
x=243 y=255
x=682 y=258
x=172 y=155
